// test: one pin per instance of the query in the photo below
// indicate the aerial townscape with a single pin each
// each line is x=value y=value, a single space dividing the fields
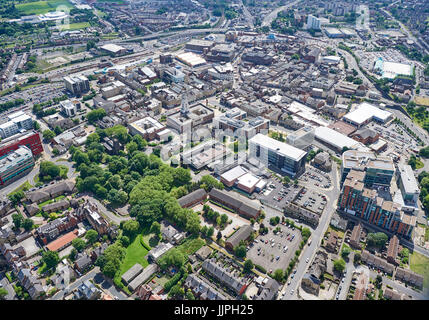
x=214 y=150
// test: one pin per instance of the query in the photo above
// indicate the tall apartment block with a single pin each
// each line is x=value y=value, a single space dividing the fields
x=313 y=22
x=14 y=164
x=279 y=155
x=77 y=84
x=368 y=205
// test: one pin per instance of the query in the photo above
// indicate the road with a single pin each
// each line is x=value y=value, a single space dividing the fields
x=98 y=278
x=273 y=14
x=350 y=268
x=248 y=16
x=316 y=238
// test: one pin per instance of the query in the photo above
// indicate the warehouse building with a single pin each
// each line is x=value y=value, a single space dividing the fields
x=191 y=59
x=364 y=113
x=336 y=140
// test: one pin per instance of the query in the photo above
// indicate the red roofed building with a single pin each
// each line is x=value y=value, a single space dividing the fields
x=63 y=241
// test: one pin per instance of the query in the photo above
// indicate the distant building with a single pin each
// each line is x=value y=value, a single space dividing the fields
x=148 y=128
x=114 y=49
x=313 y=22
x=377 y=170
x=31 y=139
x=227 y=278
x=258 y=58
x=301 y=138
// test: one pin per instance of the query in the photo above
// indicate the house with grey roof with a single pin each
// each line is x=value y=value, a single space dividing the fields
x=143 y=277
x=131 y=273
x=229 y=278
x=268 y=291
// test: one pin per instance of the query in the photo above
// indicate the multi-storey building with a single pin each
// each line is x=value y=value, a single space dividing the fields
x=16 y=122
x=12 y=165
x=367 y=204
x=77 y=84
x=280 y=155
x=313 y=22
x=408 y=185
x=377 y=170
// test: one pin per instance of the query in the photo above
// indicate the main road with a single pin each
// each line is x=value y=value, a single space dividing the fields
x=273 y=14
x=309 y=251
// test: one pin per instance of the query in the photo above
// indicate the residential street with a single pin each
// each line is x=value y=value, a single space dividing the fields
x=316 y=237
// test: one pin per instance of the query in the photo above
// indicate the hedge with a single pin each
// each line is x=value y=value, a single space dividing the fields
x=170 y=283
x=144 y=244
x=258 y=267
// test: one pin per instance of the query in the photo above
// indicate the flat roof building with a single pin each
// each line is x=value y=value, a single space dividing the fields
x=408 y=185
x=191 y=59
x=14 y=164
x=378 y=170
x=147 y=127
x=335 y=139
x=280 y=155
x=366 y=112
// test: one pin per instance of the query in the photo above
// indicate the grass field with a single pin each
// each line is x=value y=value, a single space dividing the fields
x=135 y=254
x=74 y=26
x=420 y=264
x=41 y=7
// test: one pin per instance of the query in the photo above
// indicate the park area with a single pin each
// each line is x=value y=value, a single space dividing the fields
x=41 y=7
x=420 y=264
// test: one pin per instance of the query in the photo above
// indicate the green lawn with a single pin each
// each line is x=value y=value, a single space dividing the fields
x=135 y=254
x=190 y=246
x=41 y=7
x=74 y=26
x=420 y=264
x=24 y=187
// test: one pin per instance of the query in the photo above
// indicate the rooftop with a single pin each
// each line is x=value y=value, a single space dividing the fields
x=281 y=147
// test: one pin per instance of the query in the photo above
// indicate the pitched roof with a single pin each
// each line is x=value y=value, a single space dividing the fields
x=241 y=234
x=192 y=197
x=62 y=241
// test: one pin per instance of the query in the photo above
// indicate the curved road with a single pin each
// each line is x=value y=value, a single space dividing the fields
x=273 y=14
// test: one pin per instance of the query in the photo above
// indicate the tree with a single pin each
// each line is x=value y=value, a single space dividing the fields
x=28 y=224
x=79 y=244
x=48 y=134
x=339 y=265
x=208 y=182
x=17 y=220
x=286 y=180
x=48 y=171
x=377 y=239
x=110 y=260
x=248 y=266
x=345 y=252
x=189 y=295
x=357 y=258
x=3 y=293
x=51 y=258
x=210 y=232
x=125 y=241
x=240 y=251
x=16 y=197
x=131 y=227
x=278 y=275
x=173 y=257
x=223 y=218
x=155 y=228
x=95 y=115
x=219 y=236
x=295 y=182
x=91 y=236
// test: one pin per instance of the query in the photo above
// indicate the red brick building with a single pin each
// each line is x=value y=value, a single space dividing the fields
x=31 y=139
